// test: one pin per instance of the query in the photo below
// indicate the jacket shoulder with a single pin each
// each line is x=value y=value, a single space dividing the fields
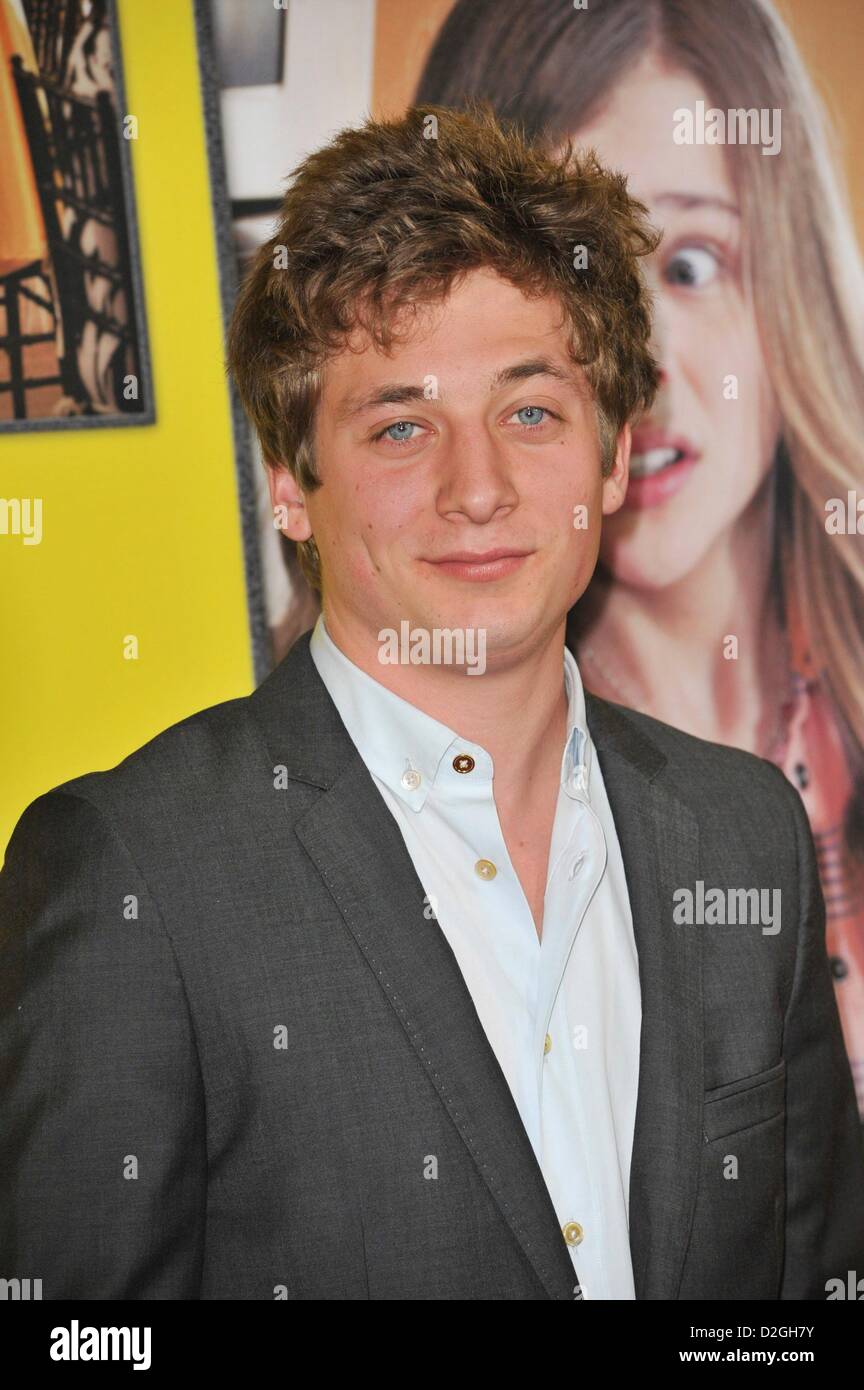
x=698 y=767
x=174 y=765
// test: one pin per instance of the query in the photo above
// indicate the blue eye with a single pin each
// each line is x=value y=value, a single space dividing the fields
x=532 y=409
x=398 y=433
x=397 y=438
x=692 y=267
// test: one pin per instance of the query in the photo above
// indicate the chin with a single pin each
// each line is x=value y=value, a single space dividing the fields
x=523 y=630
x=655 y=568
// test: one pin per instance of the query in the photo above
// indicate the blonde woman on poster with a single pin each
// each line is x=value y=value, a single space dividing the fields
x=728 y=601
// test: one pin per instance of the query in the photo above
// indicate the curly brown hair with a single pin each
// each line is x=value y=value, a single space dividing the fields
x=388 y=215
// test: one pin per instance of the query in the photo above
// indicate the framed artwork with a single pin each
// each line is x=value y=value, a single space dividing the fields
x=73 y=333
x=277 y=82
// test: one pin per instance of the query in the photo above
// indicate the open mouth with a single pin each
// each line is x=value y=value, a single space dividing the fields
x=660 y=465
x=653 y=461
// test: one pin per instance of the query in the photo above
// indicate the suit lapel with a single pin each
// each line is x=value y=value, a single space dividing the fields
x=658 y=835
x=381 y=901
x=360 y=855
x=358 y=850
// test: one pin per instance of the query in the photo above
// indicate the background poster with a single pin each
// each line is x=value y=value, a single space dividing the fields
x=728 y=599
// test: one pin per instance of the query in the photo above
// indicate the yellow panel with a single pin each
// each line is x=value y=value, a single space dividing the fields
x=141 y=528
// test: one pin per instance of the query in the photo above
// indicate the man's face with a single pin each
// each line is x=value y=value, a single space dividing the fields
x=466 y=452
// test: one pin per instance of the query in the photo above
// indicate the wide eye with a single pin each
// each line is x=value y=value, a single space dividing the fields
x=692 y=267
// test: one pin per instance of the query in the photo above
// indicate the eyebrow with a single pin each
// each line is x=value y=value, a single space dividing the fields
x=404 y=393
x=696 y=200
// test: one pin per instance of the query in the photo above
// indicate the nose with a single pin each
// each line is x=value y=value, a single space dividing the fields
x=477 y=480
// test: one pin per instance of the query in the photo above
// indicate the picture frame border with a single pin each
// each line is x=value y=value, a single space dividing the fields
x=120 y=420
x=245 y=460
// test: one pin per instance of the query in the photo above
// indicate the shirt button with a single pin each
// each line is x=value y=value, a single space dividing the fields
x=485 y=868
x=410 y=780
x=573 y=1233
x=463 y=762
x=547 y=1046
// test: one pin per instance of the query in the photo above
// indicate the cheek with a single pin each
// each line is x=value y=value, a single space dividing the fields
x=391 y=512
x=570 y=479
x=587 y=525
x=767 y=423
x=747 y=427
x=709 y=340
x=368 y=509
x=382 y=519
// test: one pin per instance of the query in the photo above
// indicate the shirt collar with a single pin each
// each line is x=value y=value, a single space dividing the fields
x=411 y=752
x=576 y=761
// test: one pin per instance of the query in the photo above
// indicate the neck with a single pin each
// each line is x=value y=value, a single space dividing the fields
x=516 y=711
x=668 y=647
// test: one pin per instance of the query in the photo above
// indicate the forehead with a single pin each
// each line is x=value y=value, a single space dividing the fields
x=483 y=323
x=633 y=134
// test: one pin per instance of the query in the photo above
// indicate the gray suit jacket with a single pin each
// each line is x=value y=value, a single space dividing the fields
x=232 y=1041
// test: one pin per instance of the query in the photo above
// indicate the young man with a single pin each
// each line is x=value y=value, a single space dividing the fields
x=422 y=973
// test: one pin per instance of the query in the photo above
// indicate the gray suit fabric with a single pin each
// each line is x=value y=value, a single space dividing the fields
x=239 y=1062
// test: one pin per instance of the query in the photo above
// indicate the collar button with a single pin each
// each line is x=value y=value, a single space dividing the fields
x=463 y=762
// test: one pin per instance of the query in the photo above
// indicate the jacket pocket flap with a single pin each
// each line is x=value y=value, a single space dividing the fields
x=749 y=1101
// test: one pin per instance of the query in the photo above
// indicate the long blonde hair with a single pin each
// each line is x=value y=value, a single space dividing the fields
x=552 y=67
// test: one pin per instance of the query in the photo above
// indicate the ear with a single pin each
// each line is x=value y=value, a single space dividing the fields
x=615 y=485
x=289 y=503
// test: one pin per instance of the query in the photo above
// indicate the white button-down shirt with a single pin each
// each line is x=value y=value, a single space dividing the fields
x=562 y=1015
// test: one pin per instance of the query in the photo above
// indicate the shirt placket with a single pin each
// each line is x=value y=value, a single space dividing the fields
x=573 y=882
x=501 y=913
